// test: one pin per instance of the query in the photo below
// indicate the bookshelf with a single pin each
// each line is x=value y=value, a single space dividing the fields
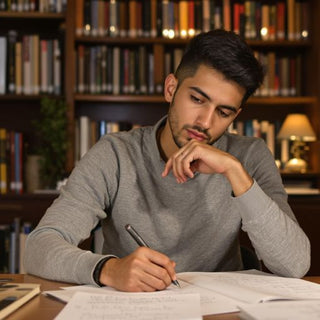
x=146 y=108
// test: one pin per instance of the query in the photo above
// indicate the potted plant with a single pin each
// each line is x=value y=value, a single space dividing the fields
x=51 y=129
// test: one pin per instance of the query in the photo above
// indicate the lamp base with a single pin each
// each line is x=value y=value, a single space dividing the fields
x=296 y=165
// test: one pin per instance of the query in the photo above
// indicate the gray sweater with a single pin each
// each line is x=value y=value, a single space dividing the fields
x=196 y=223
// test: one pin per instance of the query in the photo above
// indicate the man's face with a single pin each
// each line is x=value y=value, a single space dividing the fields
x=203 y=106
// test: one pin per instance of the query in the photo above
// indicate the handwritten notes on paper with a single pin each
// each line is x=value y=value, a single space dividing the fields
x=94 y=306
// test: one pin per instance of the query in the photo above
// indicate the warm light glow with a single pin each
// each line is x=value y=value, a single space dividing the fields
x=297 y=127
x=264 y=32
x=87 y=27
x=305 y=34
x=191 y=32
x=183 y=33
x=171 y=34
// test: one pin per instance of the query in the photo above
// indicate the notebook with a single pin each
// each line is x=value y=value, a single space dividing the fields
x=14 y=295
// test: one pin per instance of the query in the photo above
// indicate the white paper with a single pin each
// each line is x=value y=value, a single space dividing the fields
x=222 y=292
x=254 y=288
x=284 y=310
x=114 y=306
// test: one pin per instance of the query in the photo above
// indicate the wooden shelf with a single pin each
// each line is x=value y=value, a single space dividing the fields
x=181 y=41
x=120 y=98
x=282 y=100
x=25 y=97
x=160 y=99
x=31 y=15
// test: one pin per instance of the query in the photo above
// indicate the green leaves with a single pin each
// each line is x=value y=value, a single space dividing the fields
x=52 y=132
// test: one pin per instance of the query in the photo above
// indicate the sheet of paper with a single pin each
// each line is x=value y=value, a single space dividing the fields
x=282 y=310
x=210 y=301
x=114 y=306
x=255 y=287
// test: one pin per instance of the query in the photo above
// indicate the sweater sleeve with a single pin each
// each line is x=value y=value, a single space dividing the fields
x=268 y=219
x=51 y=249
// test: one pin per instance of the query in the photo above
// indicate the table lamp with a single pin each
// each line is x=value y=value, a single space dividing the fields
x=297 y=128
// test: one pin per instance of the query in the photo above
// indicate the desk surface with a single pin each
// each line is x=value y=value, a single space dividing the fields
x=45 y=308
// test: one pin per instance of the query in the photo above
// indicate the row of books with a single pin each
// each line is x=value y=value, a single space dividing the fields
x=12 y=244
x=264 y=129
x=283 y=74
x=29 y=65
x=89 y=131
x=266 y=20
x=11 y=161
x=117 y=70
x=33 y=5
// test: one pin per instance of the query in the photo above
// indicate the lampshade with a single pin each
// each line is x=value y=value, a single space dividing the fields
x=297 y=126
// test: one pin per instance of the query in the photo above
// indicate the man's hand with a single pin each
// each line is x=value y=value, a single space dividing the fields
x=142 y=270
x=204 y=158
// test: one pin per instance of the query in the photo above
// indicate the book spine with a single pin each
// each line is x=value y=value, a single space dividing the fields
x=56 y=67
x=50 y=66
x=153 y=16
x=280 y=30
x=12 y=39
x=123 y=19
x=290 y=19
x=18 y=65
x=206 y=15
x=3 y=161
x=79 y=11
x=35 y=64
x=26 y=65
x=44 y=66
x=133 y=19
x=3 y=64
x=183 y=18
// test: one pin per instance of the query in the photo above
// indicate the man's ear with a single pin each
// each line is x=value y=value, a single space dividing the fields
x=170 y=86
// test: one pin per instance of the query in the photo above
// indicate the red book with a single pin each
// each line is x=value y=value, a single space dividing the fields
x=236 y=18
x=191 y=28
x=280 y=20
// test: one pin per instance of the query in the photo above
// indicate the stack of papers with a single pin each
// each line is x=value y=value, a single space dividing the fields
x=201 y=293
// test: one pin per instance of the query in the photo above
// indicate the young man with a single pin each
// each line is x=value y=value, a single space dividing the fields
x=185 y=184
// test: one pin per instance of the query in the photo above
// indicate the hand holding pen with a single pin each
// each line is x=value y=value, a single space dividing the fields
x=134 y=234
x=144 y=270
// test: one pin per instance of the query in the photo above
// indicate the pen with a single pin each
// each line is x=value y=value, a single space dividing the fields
x=135 y=235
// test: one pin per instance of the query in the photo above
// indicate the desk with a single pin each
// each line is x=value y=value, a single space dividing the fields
x=45 y=308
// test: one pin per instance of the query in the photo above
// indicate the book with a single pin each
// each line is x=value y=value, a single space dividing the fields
x=290 y=19
x=14 y=295
x=3 y=161
x=3 y=64
x=12 y=39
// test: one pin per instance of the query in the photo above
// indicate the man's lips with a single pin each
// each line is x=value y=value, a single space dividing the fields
x=193 y=134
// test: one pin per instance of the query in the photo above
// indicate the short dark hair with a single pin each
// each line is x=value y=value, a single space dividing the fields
x=225 y=52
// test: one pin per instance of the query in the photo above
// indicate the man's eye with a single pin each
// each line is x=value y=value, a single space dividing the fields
x=223 y=114
x=195 y=99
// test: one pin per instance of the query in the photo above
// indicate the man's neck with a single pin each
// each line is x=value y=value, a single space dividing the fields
x=165 y=142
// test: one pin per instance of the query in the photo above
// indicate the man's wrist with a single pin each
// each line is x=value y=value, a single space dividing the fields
x=98 y=269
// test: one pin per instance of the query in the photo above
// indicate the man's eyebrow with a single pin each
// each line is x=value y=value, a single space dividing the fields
x=197 y=89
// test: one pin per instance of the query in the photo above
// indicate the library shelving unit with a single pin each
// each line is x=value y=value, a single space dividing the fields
x=147 y=108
